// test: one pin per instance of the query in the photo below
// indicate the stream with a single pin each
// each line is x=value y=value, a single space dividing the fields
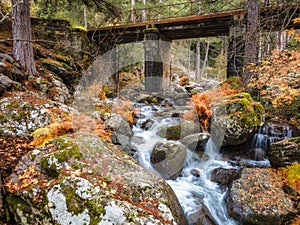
x=193 y=190
x=190 y=190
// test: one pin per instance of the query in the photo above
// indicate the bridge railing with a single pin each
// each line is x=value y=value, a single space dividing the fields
x=187 y=9
x=180 y=10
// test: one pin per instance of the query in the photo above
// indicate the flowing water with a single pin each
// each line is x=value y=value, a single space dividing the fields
x=191 y=190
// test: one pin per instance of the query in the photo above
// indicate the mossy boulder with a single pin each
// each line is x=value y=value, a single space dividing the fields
x=79 y=179
x=178 y=131
x=237 y=118
x=22 y=113
x=257 y=197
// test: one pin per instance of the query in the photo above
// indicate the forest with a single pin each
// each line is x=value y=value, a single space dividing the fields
x=150 y=112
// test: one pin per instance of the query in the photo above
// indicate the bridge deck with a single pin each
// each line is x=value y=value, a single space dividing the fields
x=211 y=25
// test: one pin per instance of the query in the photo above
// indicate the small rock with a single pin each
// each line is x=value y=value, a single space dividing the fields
x=195 y=172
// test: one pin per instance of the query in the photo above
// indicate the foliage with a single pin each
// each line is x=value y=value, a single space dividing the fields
x=123 y=108
x=292 y=175
x=202 y=102
x=42 y=135
x=201 y=108
x=184 y=80
x=276 y=82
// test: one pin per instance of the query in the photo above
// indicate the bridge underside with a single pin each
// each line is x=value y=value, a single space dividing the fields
x=232 y=24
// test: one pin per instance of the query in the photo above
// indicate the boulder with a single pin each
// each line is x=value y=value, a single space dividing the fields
x=23 y=113
x=237 y=117
x=79 y=179
x=178 y=131
x=195 y=141
x=168 y=159
x=285 y=152
x=257 y=198
x=118 y=124
x=224 y=176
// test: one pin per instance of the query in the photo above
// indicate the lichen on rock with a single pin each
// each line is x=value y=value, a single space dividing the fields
x=80 y=179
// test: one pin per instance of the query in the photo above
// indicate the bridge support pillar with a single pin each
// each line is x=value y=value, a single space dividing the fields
x=153 y=61
x=236 y=48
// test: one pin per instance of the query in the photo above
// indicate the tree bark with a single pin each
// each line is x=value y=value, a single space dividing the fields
x=198 y=46
x=205 y=59
x=252 y=37
x=21 y=29
x=132 y=17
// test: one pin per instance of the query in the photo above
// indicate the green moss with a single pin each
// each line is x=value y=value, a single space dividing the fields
x=151 y=30
x=49 y=61
x=16 y=203
x=234 y=82
x=66 y=150
x=12 y=105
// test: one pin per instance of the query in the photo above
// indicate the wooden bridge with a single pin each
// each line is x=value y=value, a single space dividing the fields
x=208 y=24
x=211 y=23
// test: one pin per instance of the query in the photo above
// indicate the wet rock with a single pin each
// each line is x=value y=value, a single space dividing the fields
x=202 y=216
x=285 y=152
x=257 y=154
x=195 y=172
x=117 y=124
x=168 y=159
x=176 y=132
x=236 y=118
x=79 y=179
x=257 y=197
x=195 y=141
x=23 y=113
x=224 y=176
x=147 y=124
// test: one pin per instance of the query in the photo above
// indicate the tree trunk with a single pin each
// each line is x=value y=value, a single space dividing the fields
x=252 y=37
x=144 y=16
x=205 y=59
x=132 y=17
x=21 y=29
x=198 y=46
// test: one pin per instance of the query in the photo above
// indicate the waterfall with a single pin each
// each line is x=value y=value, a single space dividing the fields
x=270 y=133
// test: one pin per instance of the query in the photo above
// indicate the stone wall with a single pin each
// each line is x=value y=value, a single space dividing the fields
x=59 y=35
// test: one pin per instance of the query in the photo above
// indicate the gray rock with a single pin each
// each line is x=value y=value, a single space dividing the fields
x=23 y=113
x=195 y=141
x=118 y=124
x=257 y=197
x=176 y=132
x=6 y=58
x=5 y=81
x=285 y=152
x=88 y=181
x=168 y=159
